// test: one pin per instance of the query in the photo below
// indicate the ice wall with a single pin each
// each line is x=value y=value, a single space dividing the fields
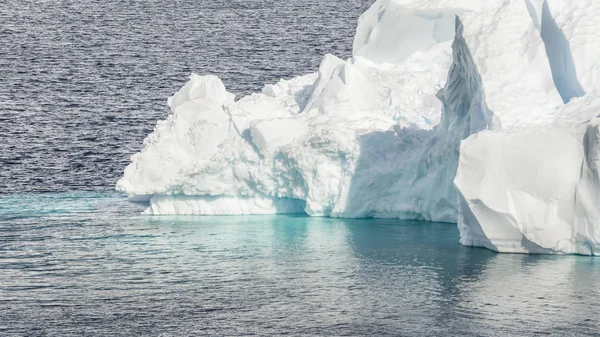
x=529 y=183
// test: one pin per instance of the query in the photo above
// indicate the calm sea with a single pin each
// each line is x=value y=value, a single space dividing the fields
x=83 y=82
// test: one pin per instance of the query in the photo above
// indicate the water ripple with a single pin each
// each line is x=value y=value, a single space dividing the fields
x=84 y=82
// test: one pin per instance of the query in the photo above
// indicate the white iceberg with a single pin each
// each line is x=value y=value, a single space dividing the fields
x=379 y=134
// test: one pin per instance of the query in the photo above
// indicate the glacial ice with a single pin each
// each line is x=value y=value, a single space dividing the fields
x=476 y=112
x=531 y=182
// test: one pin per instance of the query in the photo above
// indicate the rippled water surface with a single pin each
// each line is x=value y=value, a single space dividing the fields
x=82 y=82
x=85 y=264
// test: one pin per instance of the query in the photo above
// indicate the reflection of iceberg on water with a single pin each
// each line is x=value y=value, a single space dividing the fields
x=493 y=99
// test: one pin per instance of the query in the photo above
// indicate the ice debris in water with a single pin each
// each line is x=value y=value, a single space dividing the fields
x=478 y=112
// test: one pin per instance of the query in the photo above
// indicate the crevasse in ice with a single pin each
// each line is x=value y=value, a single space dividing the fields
x=469 y=111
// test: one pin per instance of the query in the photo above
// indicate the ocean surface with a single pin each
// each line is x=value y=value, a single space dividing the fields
x=83 y=82
x=87 y=264
x=81 y=85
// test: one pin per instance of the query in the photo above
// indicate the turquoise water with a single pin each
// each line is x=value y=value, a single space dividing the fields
x=88 y=264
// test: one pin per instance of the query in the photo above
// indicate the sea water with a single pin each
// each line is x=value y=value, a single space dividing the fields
x=83 y=82
x=87 y=263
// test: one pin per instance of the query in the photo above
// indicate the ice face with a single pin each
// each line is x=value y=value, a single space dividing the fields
x=530 y=182
x=476 y=112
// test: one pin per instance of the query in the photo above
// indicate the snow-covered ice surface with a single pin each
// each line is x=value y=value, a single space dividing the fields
x=503 y=90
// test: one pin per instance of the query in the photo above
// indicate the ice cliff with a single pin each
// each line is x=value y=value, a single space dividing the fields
x=530 y=182
x=481 y=112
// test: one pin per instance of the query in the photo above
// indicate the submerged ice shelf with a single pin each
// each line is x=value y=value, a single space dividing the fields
x=476 y=112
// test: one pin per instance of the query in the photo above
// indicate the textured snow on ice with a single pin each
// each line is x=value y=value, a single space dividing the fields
x=483 y=113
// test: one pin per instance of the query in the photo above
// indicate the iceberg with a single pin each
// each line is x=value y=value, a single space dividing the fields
x=481 y=113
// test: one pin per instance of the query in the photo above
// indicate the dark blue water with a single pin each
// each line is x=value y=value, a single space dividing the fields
x=83 y=82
